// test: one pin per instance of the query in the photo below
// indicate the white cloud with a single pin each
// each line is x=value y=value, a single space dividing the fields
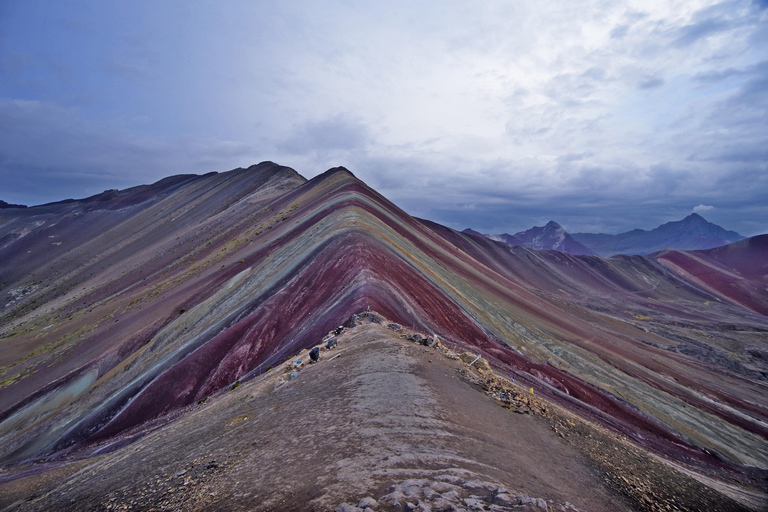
x=703 y=208
x=577 y=108
x=49 y=153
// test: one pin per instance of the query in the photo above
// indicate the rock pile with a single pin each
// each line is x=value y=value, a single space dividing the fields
x=427 y=341
x=450 y=491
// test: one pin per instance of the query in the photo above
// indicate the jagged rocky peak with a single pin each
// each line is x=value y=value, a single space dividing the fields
x=551 y=236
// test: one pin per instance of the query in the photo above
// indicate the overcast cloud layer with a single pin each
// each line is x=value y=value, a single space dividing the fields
x=602 y=116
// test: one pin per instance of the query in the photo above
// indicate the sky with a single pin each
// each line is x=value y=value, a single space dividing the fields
x=603 y=116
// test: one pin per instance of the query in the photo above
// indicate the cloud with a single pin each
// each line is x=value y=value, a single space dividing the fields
x=619 y=32
x=702 y=208
x=595 y=73
x=690 y=34
x=49 y=153
x=717 y=76
x=650 y=83
x=335 y=133
x=608 y=118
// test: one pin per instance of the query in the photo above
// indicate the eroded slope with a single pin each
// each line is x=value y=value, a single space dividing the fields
x=220 y=281
x=380 y=422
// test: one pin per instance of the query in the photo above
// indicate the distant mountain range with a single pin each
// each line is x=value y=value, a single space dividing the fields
x=692 y=233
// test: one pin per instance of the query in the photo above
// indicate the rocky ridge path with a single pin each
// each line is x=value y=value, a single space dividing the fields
x=380 y=424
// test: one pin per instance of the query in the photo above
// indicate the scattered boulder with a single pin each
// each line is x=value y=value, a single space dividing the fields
x=415 y=337
x=450 y=354
x=428 y=341
x=476 y=360
x=482 y=365
x=368 y=502
x=372 y=317
x=449 y=491
x=346 y=507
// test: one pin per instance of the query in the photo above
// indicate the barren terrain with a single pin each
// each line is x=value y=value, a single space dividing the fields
x=379 y=417
x=152 y=314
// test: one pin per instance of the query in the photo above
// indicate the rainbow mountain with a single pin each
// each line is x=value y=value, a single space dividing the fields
x=120 y=311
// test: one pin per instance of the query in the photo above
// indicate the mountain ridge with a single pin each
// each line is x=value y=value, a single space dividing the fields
x=552 y=237
x=142 y=311
x=693 y=232
x=548 y=237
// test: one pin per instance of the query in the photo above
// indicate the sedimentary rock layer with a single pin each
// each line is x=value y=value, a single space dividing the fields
x=129 y=306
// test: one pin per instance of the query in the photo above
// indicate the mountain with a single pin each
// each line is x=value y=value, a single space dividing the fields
x=3 y=204
x=149 y=338
x=470 y=231
x=510 y=240
x=692 y=233
x=737 y=272
x=550 y=237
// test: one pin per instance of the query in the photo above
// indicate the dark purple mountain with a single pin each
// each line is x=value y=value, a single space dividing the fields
x=553 y=237
x=470 y=231
x=508 y=239
x=550 y=237
x=3 y=204
x=692 y=233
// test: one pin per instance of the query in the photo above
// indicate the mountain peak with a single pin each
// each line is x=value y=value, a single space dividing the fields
x=3 y=204
x=335 y=174
x=695 y=217
x=470 y=231
x=268 y=166
x=339 y=170
x=691 y=233
x=551 y=236
x=265 y=163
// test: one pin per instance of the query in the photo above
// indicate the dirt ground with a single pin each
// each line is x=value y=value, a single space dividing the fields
x=381 y=424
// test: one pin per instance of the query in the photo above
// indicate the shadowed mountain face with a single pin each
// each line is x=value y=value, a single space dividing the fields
x=508 y=239
x=3 y=204
x=127 y=307
x=549 y=237
x=691 y=233
x=737 y=272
